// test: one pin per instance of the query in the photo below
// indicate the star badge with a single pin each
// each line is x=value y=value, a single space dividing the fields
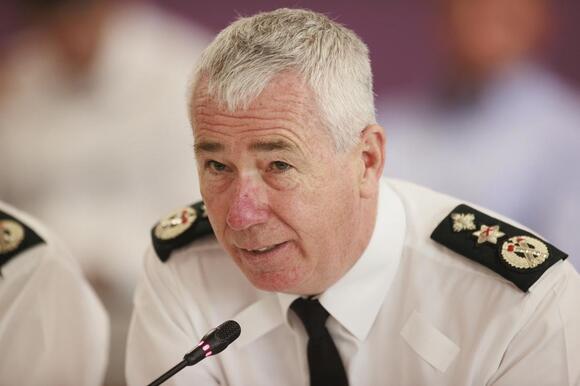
x=463 y=222
x=488 y=234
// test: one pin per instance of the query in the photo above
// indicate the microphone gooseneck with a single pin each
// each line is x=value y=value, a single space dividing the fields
x=214 y=342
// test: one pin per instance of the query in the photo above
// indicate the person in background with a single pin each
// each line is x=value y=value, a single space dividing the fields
x=336 y=275
x=3 y=79
x=53 y=328
x=94 y=138
x=497 y=128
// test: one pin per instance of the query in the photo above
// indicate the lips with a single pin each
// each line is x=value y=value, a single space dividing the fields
x=261 y=249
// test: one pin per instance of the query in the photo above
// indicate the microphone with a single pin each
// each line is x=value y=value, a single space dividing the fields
x=214 y=342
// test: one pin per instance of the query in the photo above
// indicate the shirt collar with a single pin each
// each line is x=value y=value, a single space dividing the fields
x=258 y=319
x=356 y=298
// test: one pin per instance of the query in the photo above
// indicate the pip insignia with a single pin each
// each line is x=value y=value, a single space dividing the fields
x=463 y=221
x=511 y=252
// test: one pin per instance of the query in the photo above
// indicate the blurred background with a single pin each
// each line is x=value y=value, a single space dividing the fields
x=479 y=99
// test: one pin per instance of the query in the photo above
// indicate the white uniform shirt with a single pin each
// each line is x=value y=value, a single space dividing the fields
x=409 y=312
x=53 y=329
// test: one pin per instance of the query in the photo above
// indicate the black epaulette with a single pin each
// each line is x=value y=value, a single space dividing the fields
x=515 y=254
x=15 y=237
x=179 y=229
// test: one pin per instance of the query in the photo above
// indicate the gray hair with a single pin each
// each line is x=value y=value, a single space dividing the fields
x=332 y=60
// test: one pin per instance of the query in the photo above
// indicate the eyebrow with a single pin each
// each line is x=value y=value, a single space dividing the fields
x=208 y=147
x=271 y=145
x=265 y=146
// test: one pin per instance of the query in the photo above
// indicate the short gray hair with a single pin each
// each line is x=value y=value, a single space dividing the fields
x=332 y=59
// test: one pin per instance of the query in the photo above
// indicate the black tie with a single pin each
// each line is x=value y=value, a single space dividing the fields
x=324 y=362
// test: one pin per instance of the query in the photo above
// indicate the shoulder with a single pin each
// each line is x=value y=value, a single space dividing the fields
x=27 y=245
x=473 y=240
x=424 y=208
x=18 y=233
x=197 y=278
x=179 y=229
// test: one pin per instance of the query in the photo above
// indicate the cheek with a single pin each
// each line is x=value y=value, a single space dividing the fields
x=216 y=203
x=334 y=190
x=282 y=181
x=318 y=208
x=213 y=184
x=332 y=206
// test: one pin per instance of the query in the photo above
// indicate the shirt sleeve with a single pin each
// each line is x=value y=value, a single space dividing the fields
x=161 y=332
x=56 y=331
x=546 y=351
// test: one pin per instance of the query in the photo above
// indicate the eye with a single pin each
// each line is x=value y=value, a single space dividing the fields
x=280 y=166
x=215 y=166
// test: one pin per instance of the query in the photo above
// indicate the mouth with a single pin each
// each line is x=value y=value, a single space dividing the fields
x=270 y=267
x=263 y=250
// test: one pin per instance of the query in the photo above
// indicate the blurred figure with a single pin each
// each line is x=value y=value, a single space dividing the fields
x=53 y=329
x=497 y=128
x=3 y=76
x=94 y=136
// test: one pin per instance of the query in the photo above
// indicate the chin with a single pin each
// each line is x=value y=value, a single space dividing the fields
x=276 y=281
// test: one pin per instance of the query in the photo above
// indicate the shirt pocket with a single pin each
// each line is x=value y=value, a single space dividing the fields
x=428 y=342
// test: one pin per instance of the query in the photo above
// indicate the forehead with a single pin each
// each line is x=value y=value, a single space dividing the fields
x=286 y=85
x=286 y=104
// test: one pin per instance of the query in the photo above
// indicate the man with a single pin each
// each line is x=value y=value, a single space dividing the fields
x=330 y=269
x=53 y=328
x=497 y=115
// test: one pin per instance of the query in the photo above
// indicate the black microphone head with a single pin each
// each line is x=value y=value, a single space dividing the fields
x=220 y=337
x=214 y=342
x=223 y=335
x=229 y=330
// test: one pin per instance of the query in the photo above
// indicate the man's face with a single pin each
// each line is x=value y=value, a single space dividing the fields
x=281 y=200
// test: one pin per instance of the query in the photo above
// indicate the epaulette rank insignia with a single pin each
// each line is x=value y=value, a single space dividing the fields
x=180 y=228
x=15 y=237
x=515 y=254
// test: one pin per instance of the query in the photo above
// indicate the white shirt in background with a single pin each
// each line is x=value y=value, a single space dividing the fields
x=53 y=328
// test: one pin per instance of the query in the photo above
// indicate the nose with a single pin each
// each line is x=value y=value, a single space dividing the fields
x=249 y=205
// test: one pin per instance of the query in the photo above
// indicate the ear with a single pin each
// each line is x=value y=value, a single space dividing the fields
x=372 y=153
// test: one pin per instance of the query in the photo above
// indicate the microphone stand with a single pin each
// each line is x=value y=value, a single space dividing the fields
x=169 y=373
x=189 y=359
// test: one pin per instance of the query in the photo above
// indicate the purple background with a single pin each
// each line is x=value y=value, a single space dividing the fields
x=398 y=32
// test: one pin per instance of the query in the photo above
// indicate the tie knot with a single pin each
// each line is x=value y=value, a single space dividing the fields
x=313 y=316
